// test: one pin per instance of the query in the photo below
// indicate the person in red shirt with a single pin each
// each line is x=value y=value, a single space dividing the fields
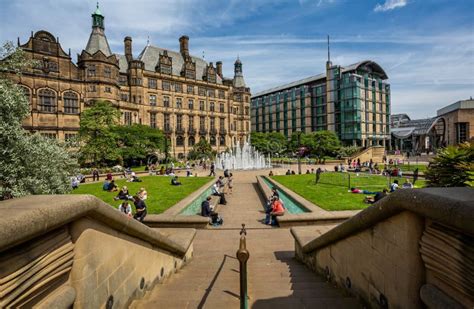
x=277 y=210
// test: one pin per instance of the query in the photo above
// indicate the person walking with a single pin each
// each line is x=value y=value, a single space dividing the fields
x=318 y=174
x=212 y=173
x=95 y=175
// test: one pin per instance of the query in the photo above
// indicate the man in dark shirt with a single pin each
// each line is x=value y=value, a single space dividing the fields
x=206 y=207
x=212 y=173
x=140 y=207
x=377 y=197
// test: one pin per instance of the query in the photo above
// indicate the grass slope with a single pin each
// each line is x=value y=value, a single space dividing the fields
x=331 y=193
x=161 y=194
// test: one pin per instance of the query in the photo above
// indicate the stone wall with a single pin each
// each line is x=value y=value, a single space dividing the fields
x=63 y=251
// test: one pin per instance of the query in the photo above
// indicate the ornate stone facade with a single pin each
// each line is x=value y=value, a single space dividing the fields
x=182 y=95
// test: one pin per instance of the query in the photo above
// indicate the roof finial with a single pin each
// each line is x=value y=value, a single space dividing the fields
x=97 y=4
x=203 y=56
x=329 y=53
x=18 y=41
x=148 y=41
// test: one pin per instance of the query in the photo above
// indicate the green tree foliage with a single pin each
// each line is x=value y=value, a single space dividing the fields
x=98 y=141
x=453 y=166
x=137 y=142
x=269 y=143
x=29 y=163
x=319 y=143
x=201 y=150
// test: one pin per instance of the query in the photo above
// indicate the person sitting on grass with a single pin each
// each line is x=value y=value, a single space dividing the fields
x=125 y=208
x=359 y=191
x=140 y=208
x=407 y=184
x=394 y=186
x=142 y=194
x=112 y=186
x=277 y=210
x=123 y=194
x=377 y=197
x=175 y=182
x=105 y=185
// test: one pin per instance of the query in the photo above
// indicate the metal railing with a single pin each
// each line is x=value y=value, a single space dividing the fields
x=243 y=256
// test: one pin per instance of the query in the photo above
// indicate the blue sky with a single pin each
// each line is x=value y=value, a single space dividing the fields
x=425 y=46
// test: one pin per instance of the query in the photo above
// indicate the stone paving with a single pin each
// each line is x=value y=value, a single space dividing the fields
x=275 y=278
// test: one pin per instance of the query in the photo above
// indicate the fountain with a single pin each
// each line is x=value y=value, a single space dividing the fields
x=242 y=158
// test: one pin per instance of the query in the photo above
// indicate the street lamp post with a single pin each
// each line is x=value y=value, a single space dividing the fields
x=299 y=151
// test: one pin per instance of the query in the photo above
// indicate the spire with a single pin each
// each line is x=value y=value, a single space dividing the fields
x=97 y=40
x=97 y=18
x=329 y=53
x=238 y=81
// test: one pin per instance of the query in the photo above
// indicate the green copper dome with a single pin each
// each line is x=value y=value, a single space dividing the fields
x=98 y=18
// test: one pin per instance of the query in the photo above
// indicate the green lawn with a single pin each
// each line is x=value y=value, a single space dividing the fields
x=161 y=194
x=331 y=193
x=411 y=167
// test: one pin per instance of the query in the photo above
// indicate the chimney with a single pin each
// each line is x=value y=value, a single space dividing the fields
x=128 y=48
x=219 y=68
x=184 y=46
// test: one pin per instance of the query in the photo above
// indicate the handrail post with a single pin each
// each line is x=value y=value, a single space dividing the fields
x=243 y=256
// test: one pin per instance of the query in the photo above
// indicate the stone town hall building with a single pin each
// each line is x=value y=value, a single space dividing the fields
x=186 y=97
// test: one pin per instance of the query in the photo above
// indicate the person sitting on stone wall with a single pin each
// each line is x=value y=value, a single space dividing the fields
x=207 y=210
x=288 y=172
x=215 y=191
x=277 y=210
x=142 y=194
x=140 y=208
x=125 y=208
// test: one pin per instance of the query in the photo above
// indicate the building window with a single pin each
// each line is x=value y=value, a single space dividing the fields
x=190 y=122
x=91 y=70
x=165 y=69
x=190 y=89
x=47 y=100
x=221 y=94
x=124 y=96
x=202 y=123
x=213 y=123
x=127 y=118
x=153 y=120
x=221 y=108
x=221 y=124
x=179 y=141
x=179 y=122
x=49 y=135
x=108 y=90
x=222 y=140
x=152 y=100
x=212 y=140
x=191 y=141
x=201 y=106
x=166 y=85
x=107 y=72
x=178 y=87
x=179 y=103
x=167 y=122
x=211 y=93
x=202 y=91
x=152 y=83
x=166 y=101
x=123 y=80
x=26 y=92
x=211 y=106
x=462 y=132
x=70 y=137
x=92 y=88
x=190 y=104
x=71 y=103
x=246 y=111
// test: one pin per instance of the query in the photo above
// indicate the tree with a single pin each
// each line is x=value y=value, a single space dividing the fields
x=29 y=163
x=453 y=166
x=137 y=142
x=98 y=141
x=201 y=150
x=269 y=143
x=318 y=144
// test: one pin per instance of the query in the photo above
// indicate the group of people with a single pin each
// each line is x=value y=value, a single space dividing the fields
x=274 y=208
x=378 y=195
x=138 y=201
x=218 y=189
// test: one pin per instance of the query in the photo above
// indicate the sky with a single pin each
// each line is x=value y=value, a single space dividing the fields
x=426 y=47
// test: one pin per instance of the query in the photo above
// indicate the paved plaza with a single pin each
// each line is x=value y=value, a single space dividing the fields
x=275 y=278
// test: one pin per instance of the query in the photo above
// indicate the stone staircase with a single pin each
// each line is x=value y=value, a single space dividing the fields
x=276 y=279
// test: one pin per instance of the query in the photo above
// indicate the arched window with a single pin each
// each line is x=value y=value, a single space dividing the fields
x=47 y=100
x=191 y=141
x=179 y=141
x=222 y=140
x=213 y=140
x=27 y=92
x=211 y=106
x=71 y=102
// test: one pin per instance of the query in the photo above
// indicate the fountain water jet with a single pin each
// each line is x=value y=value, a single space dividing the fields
x=242 y=158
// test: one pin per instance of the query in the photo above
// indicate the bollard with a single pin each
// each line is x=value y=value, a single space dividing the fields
x=243 y=256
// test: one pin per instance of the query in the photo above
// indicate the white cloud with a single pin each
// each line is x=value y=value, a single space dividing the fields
x=390 y=5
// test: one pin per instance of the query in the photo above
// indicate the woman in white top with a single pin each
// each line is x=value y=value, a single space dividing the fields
x=125 y=208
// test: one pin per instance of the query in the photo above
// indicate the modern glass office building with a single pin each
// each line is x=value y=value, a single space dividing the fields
x=353 y=101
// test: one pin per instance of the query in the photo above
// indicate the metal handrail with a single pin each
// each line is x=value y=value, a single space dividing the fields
x=243 y=256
